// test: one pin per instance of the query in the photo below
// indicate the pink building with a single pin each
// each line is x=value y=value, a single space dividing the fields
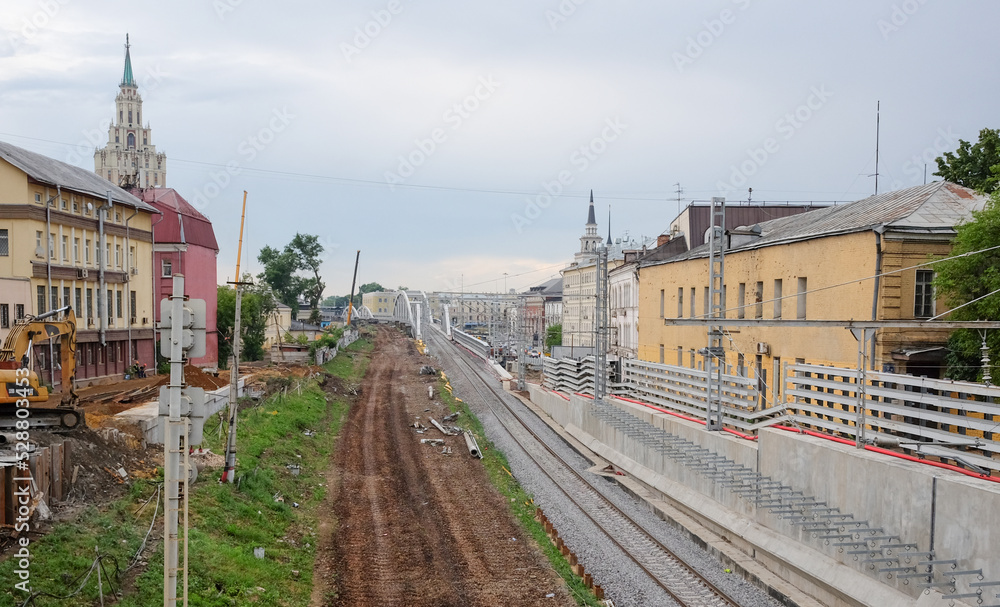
x=184 y=243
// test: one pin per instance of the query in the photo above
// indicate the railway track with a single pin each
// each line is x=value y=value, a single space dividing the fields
x=681 y=582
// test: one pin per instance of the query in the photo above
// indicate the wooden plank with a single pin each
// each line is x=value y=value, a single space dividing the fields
x=6 y=483
x=56 y=466
x=67 y=474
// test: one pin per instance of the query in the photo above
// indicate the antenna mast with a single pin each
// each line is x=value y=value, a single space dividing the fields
x=878 y=120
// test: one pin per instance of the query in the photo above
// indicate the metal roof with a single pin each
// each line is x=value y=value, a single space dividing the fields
x=55 y=173
x=181 y=222
x=938 y=207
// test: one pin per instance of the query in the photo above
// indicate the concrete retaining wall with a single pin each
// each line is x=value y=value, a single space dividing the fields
x=907 y=499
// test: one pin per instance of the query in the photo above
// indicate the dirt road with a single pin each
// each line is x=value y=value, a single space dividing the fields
x=416 y=527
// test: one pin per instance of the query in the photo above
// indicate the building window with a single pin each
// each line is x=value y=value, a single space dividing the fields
x=777 y=298
x=131 y=257
x=18 y=311
x=76 y=251
x=38 y=243
x=130 y=120
x=680 y=302
x=131 y=140
x=661 y=354
x=118 y=304
x=54 y=297
x=132 y=307
x=661 y=302
x=758 y=298
x=741 y=300
x=107 y=304
x=167 y=268
x=86 y=252
x=76 y=207
x=41 y=300
x=118 y=256
x=4 y=243
x=923 y=296
x=90 y=306
x=4 y=316
x=78 y=300
x=65 y=248
x=62 y=204
x=52 y=246
x=708 y=301
x=65 y=301
x=693 y=311
x=38 y=198
x=800 y=311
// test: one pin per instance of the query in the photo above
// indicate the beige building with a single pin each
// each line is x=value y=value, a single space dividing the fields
x=381 y=303
x=278 y=325
x=69 y=238
x=818 y=265
x=130 y=159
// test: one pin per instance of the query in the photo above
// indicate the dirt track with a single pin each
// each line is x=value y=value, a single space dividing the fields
x=417 y=527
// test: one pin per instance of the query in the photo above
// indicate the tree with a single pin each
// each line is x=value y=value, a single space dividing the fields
x=974 y=166
x=255 y=313
x=303 y=253
x=553 y=336
x=969 y=278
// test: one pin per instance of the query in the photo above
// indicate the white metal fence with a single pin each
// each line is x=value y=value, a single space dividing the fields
x=958 y=422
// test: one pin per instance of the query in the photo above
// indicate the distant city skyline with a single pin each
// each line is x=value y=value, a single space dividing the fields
x=455 y=143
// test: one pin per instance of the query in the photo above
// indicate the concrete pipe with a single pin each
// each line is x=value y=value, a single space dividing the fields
x=470 y=442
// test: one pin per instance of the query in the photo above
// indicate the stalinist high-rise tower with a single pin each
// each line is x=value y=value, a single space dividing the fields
x=130 y=159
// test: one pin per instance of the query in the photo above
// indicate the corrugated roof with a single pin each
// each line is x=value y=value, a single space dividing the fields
x=181 y=221
x=55 y=173
x=934 y=207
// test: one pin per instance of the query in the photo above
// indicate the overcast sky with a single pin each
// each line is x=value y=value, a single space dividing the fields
x=429 y=134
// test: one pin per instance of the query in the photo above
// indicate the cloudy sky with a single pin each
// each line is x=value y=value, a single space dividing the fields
x=453 y=142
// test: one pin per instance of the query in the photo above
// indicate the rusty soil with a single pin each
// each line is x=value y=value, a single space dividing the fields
x=414 y=526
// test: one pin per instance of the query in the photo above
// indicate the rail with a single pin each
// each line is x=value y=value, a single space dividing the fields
x=685 y=585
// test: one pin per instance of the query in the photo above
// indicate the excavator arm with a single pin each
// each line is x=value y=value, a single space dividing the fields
x=38 y=330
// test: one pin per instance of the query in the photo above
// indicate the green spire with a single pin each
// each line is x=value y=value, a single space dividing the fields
x=127 y=79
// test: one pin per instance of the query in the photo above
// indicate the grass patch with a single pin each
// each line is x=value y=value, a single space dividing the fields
x=521 y=503
x=226 y=521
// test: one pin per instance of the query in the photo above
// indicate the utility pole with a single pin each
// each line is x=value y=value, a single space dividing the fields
x=350 y=298
x=229 y=472
x=521 y=340
x=715 y=356
x=600 y=324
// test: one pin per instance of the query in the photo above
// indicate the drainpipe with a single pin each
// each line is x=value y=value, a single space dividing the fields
x=879 y=230
x=48 y=276
x=128 y=272
x=103 y=248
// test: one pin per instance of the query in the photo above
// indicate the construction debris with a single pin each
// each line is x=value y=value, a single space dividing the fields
x=428 y=370
x=450 y=417
x=434 y=442
x=441 y=428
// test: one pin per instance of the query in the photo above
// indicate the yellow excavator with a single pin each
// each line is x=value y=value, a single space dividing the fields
x=15 y=366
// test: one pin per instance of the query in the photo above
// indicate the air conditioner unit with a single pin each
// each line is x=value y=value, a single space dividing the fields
x=81 y=273
x=135 y=271
x=126 y=277
x=40 y=252
x=763 y=348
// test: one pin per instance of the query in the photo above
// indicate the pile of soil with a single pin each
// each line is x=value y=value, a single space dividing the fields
x=194 y=376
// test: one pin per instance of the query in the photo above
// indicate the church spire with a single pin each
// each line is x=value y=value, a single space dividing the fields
x=127 y=79
x=609 y=225
x=591 y=219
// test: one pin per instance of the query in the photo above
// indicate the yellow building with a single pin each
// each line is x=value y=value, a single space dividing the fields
x=69 y=238
x=818 y=265
x=381 y=303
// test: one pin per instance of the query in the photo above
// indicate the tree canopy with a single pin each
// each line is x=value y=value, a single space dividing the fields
x=967 y=279
x=975 y=166
x=302 y=254
x=255 y=313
